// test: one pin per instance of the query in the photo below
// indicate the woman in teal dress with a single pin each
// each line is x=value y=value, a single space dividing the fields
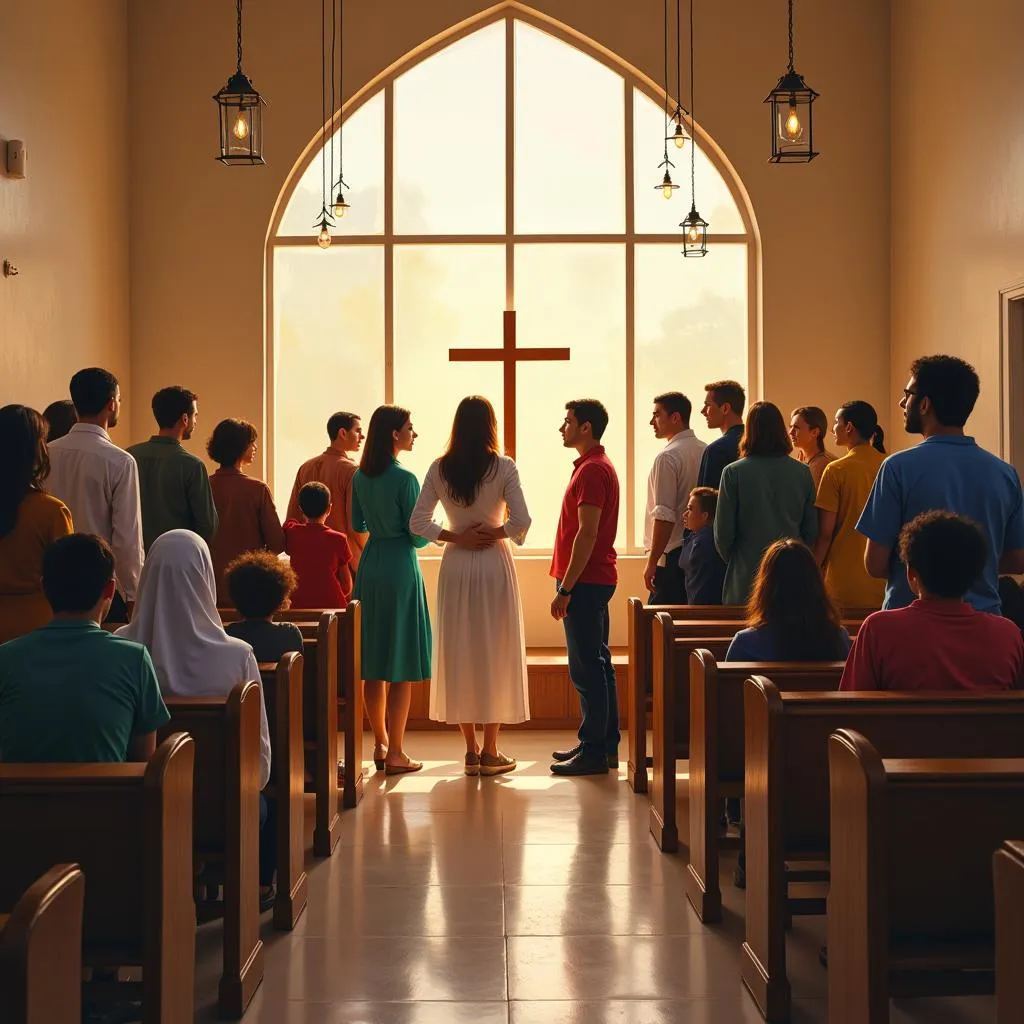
x=396 y=623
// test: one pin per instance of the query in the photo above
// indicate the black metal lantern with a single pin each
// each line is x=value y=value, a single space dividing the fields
x=695 y=228
x=240 y=108
x=695 y=234
x=791 y=103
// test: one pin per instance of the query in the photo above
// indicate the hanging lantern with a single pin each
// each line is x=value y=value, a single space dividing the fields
x=666 y=186
x=678 y=134
x=695 y=234
x=791 y=103
x=240 y=108
x=695 y=228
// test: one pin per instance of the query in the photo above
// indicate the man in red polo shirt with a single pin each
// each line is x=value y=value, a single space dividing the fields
x=583 y=566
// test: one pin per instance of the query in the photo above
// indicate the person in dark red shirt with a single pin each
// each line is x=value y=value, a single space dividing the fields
x=321 y=557
x=584 y=569
x=939 y=642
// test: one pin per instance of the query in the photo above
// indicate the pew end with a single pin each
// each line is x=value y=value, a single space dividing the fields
x=1008 y=879
x=41 y=951
x=283 y=692
x=227 y=829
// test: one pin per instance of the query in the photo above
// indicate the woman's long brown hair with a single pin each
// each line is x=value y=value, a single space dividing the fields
x=379 y=450
x=789 y=596
x=472 y=453
x=24 y=460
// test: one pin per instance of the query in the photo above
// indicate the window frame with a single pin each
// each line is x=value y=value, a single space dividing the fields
x=510 y=12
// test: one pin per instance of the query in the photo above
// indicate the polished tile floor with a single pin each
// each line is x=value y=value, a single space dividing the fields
x=519 y=900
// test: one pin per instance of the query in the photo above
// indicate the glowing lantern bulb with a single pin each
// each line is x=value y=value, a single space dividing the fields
x=792 y=128
x=324 y=238
x=240 y=129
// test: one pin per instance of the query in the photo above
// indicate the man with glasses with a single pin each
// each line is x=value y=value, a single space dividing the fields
x=946 y=471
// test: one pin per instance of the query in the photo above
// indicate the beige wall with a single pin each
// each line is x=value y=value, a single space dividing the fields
x=957 y=196
x=64 y=79
x=198 y=229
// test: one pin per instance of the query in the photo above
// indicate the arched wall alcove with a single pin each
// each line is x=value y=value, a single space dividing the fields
x=481 y=183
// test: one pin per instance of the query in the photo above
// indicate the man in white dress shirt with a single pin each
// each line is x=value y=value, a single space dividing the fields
x=672 y=477
x=99 y=482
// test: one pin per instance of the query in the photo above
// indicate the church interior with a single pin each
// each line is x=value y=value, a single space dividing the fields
x=506 y=230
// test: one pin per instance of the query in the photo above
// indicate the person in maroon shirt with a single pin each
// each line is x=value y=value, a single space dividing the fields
x=321 y=557
x=247 y=518
x=939 y=642
x=584 y=569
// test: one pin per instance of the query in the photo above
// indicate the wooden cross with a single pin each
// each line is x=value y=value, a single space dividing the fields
x=509 y=355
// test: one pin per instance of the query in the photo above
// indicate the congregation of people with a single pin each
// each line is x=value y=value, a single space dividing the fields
x=116 y=564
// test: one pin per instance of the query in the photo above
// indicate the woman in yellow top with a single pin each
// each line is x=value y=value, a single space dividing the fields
x=30 y=520
x=842 y=494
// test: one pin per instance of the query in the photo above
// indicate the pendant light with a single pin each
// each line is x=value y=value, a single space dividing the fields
x=695 y=228
x=341 y=205
x=240 y=110
x=325 y=221
x=678 y=135
x=791 y=103
x=666 y=186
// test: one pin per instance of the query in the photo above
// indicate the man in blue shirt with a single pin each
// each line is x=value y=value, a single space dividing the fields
x=946 y=471
x=723 y=408
x=71 y=691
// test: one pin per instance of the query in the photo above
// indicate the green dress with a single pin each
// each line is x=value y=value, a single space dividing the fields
x=396 y=622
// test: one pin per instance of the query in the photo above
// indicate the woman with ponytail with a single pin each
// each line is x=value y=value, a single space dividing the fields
x=842 y=493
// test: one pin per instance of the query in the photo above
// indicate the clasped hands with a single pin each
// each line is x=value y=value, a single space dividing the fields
x=477 y=537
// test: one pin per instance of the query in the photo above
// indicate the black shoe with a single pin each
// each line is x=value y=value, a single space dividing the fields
x=581 y=764
x=566 y=755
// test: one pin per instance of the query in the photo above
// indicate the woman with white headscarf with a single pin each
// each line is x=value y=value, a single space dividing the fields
x=176 y=618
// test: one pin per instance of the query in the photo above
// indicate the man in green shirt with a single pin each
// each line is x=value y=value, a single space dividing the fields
x=173 y=484
x=71 y=691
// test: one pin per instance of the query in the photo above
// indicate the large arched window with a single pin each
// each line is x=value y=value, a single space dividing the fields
x=507 y=167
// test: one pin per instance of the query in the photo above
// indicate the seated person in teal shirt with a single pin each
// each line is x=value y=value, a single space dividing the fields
x=790 y=616
x=70 y=691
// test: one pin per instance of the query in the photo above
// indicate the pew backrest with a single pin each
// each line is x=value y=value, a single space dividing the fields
x=787 y=733
x=129 y=828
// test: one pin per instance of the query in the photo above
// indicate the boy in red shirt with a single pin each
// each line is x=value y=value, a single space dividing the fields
x=939 y=642
x=321 y=557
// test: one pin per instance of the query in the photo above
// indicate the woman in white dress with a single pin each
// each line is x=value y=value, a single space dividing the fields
x=480 y=673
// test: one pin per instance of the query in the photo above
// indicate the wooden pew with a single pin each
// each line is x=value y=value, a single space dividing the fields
x=786 y=813
x=1008 y=873
x=333 y=678
x=640 y=620
x=717 y=757
x=282 y=691
x=41 y=951
x=347 y=697
x=129 y=828
x=910 y=908
x=226 y=824
x=641 y=653
x=670 y=719
x=670 y=732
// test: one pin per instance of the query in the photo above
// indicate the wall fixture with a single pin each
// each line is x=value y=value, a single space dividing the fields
x=240 y=108
x=695 y=228
x=666 y=186
x=10 y=270
x=16 y=158
x=791 y=103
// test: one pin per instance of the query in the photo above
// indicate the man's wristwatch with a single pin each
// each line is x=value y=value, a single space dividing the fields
x=562 y=591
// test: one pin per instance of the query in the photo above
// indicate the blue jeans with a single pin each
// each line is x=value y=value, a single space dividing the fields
x=590 y=667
